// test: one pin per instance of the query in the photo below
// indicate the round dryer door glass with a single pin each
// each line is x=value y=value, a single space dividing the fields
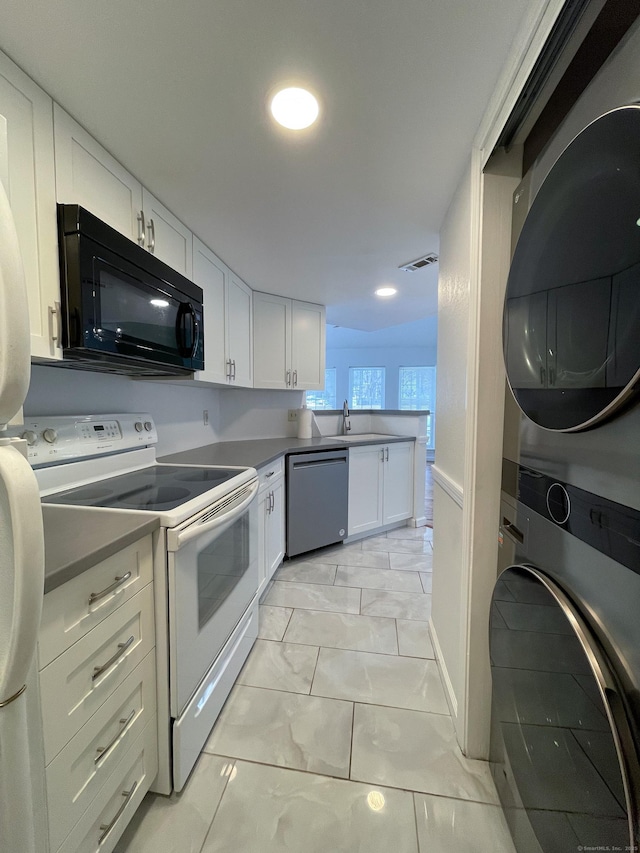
x=557 y=723
x=571 y=327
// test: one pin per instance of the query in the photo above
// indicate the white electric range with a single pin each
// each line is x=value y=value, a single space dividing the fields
x=205 y=560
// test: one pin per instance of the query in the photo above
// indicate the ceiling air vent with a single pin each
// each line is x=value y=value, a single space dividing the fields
x=424 y=261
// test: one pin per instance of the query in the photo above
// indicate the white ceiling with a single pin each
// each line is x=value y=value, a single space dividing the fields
x=178 y=91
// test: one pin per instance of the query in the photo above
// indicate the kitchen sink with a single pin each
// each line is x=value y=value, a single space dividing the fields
x=362 y=436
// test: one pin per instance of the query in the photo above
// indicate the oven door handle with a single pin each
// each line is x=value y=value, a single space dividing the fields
x=176 y=539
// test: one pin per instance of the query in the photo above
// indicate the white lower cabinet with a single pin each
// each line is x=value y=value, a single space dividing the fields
x=98 y=701
x=380 y=485
x=271 y=509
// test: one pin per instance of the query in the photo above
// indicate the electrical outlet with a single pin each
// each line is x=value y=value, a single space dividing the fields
x=293 y=414
x=205 y=417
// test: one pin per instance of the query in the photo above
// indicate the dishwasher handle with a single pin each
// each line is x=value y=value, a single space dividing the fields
x=320 y=463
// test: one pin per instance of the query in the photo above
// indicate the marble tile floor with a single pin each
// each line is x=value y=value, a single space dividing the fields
x=336 y=737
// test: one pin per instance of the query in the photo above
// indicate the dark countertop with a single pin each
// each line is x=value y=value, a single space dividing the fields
x=261 y=451
x=77 y=538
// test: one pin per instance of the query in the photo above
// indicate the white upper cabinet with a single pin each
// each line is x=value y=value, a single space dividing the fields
x=88 y=175
x=308 y=349
x=239 y=317
x=166 y=237
x=27 y=174
x=211 y=275
x=272 y=341
x=227 y=320
x=289 y=343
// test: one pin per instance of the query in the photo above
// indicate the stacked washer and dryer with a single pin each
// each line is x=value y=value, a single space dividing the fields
x=565 y=619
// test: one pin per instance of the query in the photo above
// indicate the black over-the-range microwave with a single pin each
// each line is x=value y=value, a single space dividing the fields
x=124 y=310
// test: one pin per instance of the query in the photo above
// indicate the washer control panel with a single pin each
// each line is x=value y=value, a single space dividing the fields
x=58 y=438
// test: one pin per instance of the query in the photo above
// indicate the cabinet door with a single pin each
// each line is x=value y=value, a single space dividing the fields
x=210 y=274
x=27 y=174
x=271 y=341
x=307 y=345
x=166 y=237
x=239 y=331
x=275 y=529
x=398 y=482
x=365 y=488
x=86 y=174
x=263 y=516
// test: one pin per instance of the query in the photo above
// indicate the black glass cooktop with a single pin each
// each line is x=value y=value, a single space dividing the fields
x=158 y=487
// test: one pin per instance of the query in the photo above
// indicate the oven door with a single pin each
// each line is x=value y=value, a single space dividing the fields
x=213 y=578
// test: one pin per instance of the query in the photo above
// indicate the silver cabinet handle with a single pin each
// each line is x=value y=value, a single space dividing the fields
x=273 y=501
x=55 y=316
x=122 y=648
x=387 y=459
x=295 y=378
x=270 y=474
x=103 y=751
x=120 y=579
x=152 y=241
x=382 y=454
x=228 y=373
x=288 y=379
x=105 y=828
x=141 y=234
x=234 y=369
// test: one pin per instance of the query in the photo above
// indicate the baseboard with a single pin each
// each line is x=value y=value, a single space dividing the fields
x=449 y=692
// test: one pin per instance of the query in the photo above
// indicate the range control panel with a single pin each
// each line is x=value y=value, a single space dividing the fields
x=56 y=438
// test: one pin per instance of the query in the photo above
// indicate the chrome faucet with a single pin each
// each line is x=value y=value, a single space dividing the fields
x=346 y=424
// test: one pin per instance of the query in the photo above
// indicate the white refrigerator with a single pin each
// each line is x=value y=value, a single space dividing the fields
x=21 y=552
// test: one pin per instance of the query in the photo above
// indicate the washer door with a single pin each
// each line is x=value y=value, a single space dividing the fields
x=572 y=306
x=562 y=755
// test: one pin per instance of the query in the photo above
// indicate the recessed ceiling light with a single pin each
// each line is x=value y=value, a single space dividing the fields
x=386 y=291
x=294 y=108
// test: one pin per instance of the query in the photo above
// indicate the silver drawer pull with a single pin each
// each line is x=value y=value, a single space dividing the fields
x=270 y=474
x=122 y=648
x=103 y=751
x=96 y=596
x=105 y=828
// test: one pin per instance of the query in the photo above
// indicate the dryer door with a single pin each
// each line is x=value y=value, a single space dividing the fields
x=562 y=755
x=572 y=306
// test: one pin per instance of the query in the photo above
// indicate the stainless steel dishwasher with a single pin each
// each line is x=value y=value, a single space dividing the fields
x=317 y=499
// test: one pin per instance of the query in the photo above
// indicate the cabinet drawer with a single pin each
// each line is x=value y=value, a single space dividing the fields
x=104 y=821
x=72 y=690
x=78 y=772
x=73 y=609
x=271 y=472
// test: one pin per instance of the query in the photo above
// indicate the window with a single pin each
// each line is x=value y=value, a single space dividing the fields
x=324 y=399
x=417 y=390
x=366 y=387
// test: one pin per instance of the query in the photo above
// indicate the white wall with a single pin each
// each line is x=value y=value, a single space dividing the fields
x=252 y=413
x=453 y=317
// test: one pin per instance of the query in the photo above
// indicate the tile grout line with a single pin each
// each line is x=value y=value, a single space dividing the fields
x=224 y=791
x=314 y=672
x=415 y=819
x=353 y=719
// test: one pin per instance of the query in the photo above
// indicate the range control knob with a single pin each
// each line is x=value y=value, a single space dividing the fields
x=50 y=435
x=148 y=426
x=138 y=425
x=30 y=437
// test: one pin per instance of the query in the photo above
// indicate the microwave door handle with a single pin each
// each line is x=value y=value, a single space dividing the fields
x=195 y=330
x=185 y=350
x=177 y=539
